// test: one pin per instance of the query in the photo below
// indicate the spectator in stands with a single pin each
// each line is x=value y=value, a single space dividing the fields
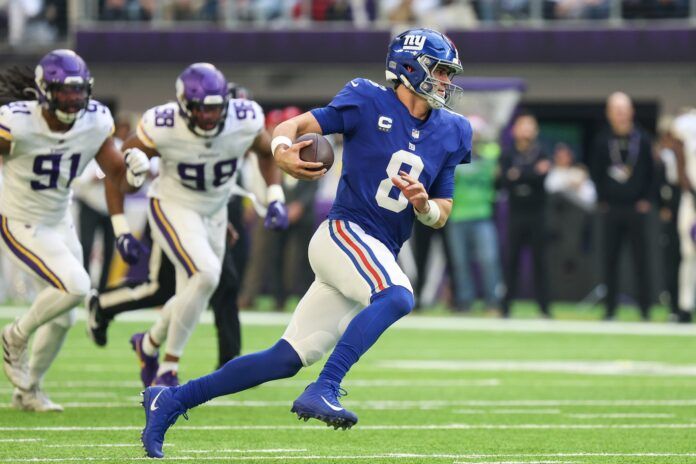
x=523 y=168
x=471 y=232
x=581 y=9
x=570 y=179
x=622 y=169
x=126 y=10
x=18 y=15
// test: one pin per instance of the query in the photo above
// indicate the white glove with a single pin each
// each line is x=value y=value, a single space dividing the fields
x=137 y=166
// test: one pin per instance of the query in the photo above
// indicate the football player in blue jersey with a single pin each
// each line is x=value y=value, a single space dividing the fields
x=402 y=145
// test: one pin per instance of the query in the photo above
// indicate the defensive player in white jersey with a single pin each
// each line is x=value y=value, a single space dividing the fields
x=684 y=128
x=201 y=139
x=46 y=144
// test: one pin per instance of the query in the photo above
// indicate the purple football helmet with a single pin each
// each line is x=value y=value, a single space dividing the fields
x=203 y=96
x=64 y=84
x=412 y=59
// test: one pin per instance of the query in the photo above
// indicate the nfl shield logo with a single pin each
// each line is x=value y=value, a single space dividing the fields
x=415 y=133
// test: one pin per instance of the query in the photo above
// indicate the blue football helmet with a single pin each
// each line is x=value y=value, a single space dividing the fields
x=414 y=55
x=199 y=88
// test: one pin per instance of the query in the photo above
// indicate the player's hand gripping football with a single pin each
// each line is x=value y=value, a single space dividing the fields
x=130 y=248
x=413 y=190
x=288 y=159
x=137 y=167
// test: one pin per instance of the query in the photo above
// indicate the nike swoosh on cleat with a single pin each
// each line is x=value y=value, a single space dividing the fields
x=153 y=406
x=335 y=408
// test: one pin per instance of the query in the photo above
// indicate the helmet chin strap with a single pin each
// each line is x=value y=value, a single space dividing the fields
x=429 y=98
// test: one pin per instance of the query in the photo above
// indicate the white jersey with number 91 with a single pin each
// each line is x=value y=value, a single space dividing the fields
x=42 y=164
x=196 y=172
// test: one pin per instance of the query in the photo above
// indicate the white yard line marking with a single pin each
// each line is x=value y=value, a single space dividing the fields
x=102 y=445
x=390 y=456
x=621 y=416
x=407 y=404
x=613 y=368
x=516 y=462
x=365 y=427
x=438 y=323
x=19 y=440
x=386 y=383
x=508 y=411
x=244 y=451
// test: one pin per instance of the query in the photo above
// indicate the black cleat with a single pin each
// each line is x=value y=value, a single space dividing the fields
x=97 y=322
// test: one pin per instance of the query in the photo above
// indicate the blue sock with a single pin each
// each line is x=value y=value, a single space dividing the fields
x=386 y=307
x=278 y=362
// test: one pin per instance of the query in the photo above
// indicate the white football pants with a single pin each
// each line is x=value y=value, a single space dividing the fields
x=349 y=266
x=687 y=267
x=195 y=244
x=52 y=254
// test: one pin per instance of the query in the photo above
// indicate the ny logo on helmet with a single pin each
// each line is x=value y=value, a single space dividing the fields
x=414 y=42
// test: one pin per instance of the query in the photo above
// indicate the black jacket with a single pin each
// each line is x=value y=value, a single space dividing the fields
x=622 y=168
x=526 y=193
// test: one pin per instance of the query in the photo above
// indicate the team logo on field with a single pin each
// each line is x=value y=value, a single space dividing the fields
x=414 y=42
x=384 y=124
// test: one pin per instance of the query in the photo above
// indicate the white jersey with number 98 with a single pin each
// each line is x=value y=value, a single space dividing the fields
x=195 y=171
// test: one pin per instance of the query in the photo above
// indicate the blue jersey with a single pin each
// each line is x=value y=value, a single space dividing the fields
x=381 y=138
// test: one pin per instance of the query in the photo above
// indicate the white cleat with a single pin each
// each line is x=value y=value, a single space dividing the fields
x=34 y=400
x=14 y=358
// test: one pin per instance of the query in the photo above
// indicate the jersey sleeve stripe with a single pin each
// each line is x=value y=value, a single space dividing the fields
x=5 y=133
x=35 y=263
x=355 y=234
x=142 y=135
x=334 y=236
x=5 y=128
x=171 y=236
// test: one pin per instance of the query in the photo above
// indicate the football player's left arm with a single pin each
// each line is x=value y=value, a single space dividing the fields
x=267 y=166
x=287 y=153
x=111 y=162
x=276 y=215
x=423 y=205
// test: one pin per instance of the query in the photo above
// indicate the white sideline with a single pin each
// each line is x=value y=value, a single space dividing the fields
x=243 y=451
x=424 y=322
x=390 y=456
x=407 y=404
x=365 y=428
x=411 y=404
x=587 y=367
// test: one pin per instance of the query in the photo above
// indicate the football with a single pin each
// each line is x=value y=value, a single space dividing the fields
x=320 y=150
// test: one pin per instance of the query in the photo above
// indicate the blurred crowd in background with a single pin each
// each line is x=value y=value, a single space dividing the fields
x=532 y=219
x=31 y=22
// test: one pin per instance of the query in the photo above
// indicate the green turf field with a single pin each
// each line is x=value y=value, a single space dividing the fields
x=447 y=392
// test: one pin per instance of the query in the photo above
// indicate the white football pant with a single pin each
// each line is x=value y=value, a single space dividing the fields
x=349 y=266
x=52 y=254
x=195 y=244
x=687 y=267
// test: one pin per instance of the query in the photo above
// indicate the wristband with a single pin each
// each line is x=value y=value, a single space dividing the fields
x=275 y=193
x=120 y=224
x=280 y=140
x=431 y=217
